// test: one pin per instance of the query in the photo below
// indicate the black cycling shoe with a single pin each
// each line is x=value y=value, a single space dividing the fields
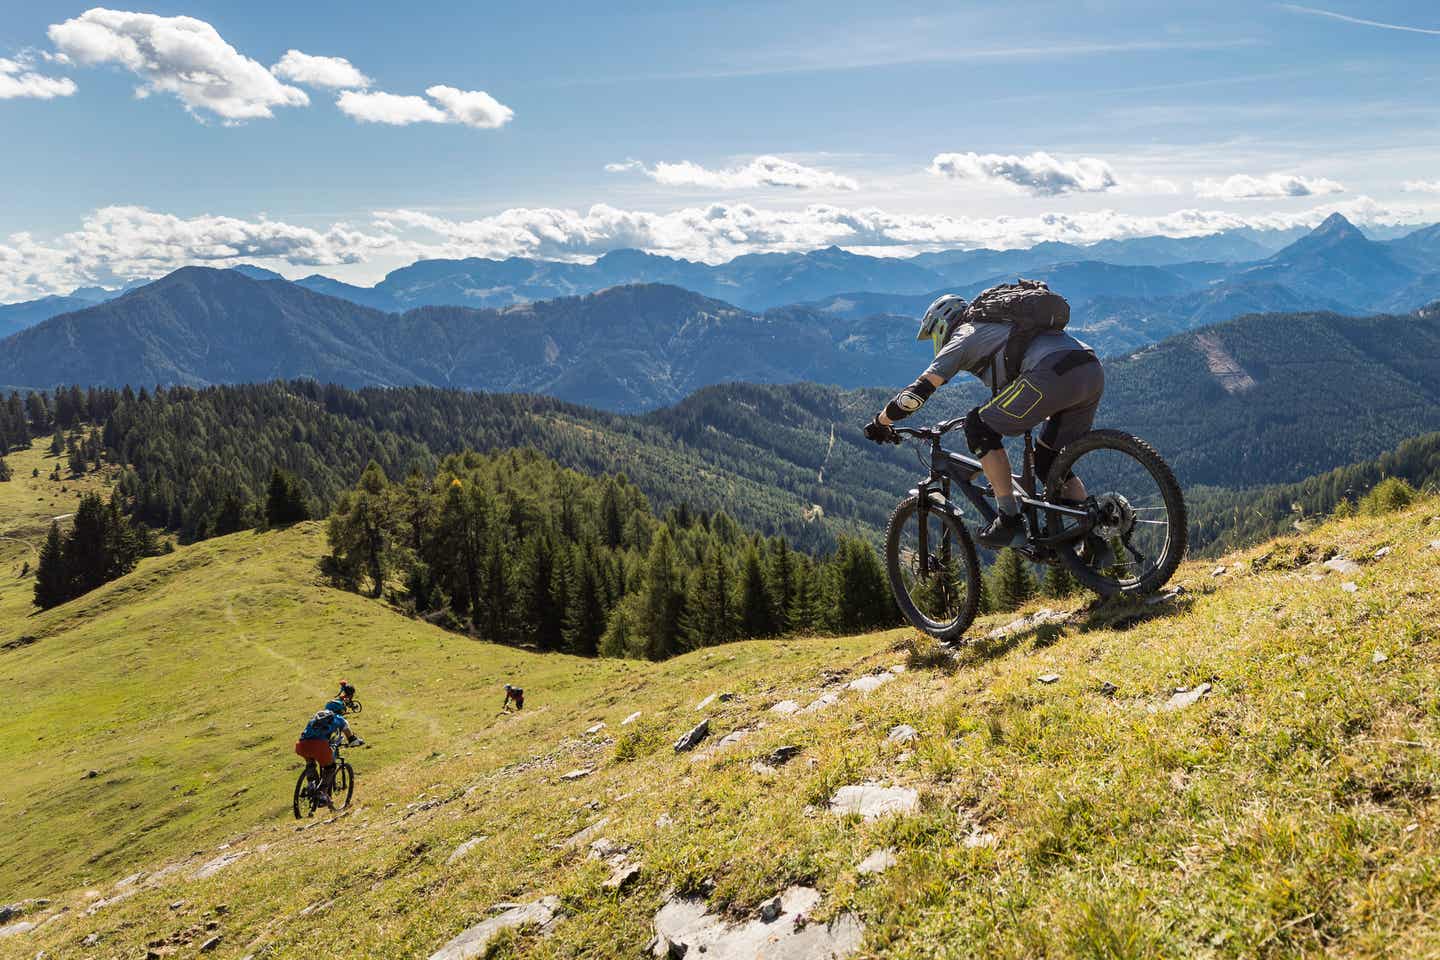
x=1006 y=530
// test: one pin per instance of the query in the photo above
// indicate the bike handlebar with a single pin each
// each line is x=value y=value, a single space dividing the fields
x=930 y=433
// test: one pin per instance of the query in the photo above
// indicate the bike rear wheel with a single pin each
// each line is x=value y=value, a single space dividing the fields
x=943 y=599
x=1143 y=522
x=344 y=786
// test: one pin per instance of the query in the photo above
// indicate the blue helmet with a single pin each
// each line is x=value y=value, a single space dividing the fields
x=337 y=706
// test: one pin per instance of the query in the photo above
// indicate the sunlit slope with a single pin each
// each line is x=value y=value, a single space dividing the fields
x=1288 y=809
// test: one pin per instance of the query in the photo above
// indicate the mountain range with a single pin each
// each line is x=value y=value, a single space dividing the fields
x=1170 y=283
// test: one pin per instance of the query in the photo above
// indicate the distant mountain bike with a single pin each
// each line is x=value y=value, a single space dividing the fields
x=307 y=787
x=1127 y=536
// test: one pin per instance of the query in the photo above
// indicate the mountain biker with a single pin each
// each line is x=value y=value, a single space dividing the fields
x=513 y=695
x=1060 y=384
x=314 y=745
x=347 y=694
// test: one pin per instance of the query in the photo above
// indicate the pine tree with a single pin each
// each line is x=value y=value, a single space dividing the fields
x=805 y=605
x=755 y=610
x=709 y=608
x=662 y=598
x=782 y=583
x=5 y=473
x=1058 y=582
x=230 y=516
x=1011 y=582
x=585 y=613
x=494 y=622
x=285 y=499
x=57 y=443
x=858 y=596
x=52 y=580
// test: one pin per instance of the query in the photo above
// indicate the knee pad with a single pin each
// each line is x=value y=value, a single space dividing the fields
x=979 y=435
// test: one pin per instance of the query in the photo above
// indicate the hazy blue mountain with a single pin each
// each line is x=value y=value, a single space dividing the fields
x=1419 y=250
x=15 y=317
x=1335 y=261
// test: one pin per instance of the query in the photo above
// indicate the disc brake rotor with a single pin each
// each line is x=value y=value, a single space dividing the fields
x=1114 y=516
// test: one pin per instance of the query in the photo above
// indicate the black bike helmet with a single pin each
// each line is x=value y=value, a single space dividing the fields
x=347 y=689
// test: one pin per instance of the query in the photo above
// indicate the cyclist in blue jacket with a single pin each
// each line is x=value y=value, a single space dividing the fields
x=314 y=744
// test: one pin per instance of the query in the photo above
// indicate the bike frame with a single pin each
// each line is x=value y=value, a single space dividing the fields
x=950 y=470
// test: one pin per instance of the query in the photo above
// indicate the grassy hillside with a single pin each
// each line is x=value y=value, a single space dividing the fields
x=1290 y=809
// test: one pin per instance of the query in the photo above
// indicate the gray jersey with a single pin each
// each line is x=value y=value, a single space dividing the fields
x=973 y=344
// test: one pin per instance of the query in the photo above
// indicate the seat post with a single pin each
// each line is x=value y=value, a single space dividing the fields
x=1027 y=469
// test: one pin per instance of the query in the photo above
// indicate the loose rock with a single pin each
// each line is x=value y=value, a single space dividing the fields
x=903 y=733
x=692 y=739
x=212 y=867
x=821 y=703
x=783 y=754
x=630 y=719
x=1037 y=619
x=1342 y=565
x=624 y=875
x=684 y=928
x=1048 y=677
x=1349 y=587
x=878 y=862
x=1379 y=656
x=464 y=849
x=580 y=774
x=1383 y=552
x=591 y=731
x=1186 y=696
x=870 y=682
x=1108 y=689
x=871 y=800
x=474 y=941
x=210 y=944
x=785 y=707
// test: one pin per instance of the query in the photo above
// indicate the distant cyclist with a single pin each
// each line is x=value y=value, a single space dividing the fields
x=513 y=695
x=1059 y=383
x=347 y=694
x=314 y=745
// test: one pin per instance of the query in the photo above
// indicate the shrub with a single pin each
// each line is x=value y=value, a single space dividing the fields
x=1387 y=496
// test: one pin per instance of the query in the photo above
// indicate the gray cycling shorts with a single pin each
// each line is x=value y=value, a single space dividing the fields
x=1062 y=391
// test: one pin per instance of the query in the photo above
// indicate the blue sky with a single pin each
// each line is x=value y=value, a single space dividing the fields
x=727 y=128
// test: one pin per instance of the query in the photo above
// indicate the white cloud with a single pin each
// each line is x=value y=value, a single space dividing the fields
x=473 y=108
x=1242 y=186
x=763 y=171
x=116 y=244
x=1422 y=186
x=1039 y=173
x=122 y=243
x=177 y=55
x=336 y=73
x=17 y=81
x=389 y=108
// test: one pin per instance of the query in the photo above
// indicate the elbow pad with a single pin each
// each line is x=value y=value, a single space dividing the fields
x=910 y=399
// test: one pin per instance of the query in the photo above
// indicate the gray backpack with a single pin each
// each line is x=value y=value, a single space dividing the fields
x=1030 y=307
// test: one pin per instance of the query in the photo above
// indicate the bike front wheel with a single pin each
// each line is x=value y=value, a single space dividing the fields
x=344 y=785
x=302 y=804
x=1140 y=533
x=938 y=589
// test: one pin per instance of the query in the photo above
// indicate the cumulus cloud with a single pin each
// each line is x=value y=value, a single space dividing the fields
x=1422 y=186
x=182 y=56
x=336 y=73
x=763 y=171
x=1039 y=174
x=120 y=243
x=18 y=81
x=389 y=108
x=1242 y=186
x=473 y=108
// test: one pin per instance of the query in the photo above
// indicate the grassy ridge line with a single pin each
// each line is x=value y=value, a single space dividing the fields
x=1290 y=811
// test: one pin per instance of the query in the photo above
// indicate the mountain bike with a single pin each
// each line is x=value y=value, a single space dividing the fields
x=307 y=788
x=1126 y=537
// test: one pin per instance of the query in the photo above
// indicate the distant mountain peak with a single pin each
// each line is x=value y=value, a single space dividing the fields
x=1337 y=226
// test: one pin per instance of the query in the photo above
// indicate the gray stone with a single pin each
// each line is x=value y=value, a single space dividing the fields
x=822 y=702
x=897 y=669
x=1349 y=587
x=1218 y=572
x=473 y=942
x=605 y=849
x=770 y=910
x=1186 y=696
x=878 y=862
x=903 y=733
x=89 y=774
x=684 y=928
x=630 y=719
x=584 y=836
x=1048 y=677
x=764 y=769
x=1383 y=552
x=17 y=928
x=211 y=944
x=1108 y=689
x=462 y=851
x=1343 y=565
x=870 y=682
x=1379 y=656
x=90 y=940
x=212 y=867
x=579 y=774
x=1037 y=619
x=692 y=739
x=591 y=731
x=785 y=707
x=1435 y=544
x=871 y=800
x=623 y=875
